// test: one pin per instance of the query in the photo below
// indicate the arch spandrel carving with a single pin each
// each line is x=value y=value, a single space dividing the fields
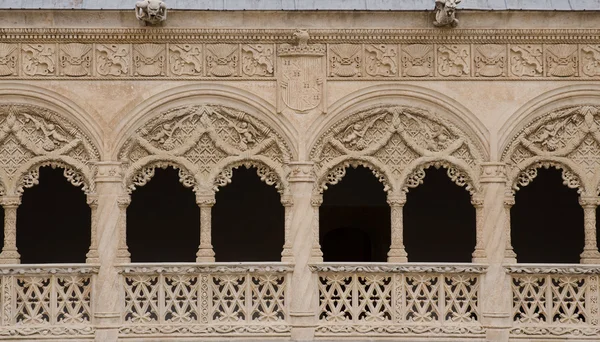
x=567 y=138
x=399 y=139
x=204 y=142
x=32 y=137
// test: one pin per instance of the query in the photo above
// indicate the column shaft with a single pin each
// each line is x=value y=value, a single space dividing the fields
x=9 y=254
x=205 y=250
x=590 y=253
x=397 y=252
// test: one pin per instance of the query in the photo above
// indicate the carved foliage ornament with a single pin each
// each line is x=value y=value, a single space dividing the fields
x=204 y=142
x=567 y=136
x=37 y=137
x=389 y=139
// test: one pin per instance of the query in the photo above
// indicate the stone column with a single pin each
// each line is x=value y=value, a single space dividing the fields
x=110 y=234
x=397 y=252
x=92 y=256
x=590 y=253
x=494 y=249
x=9 y=254
x=304 y=238
x=287 y=255
x=123 y=255
x=510 y=257
x=205 y=250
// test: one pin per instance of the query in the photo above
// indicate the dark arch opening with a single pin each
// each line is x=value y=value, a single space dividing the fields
x=354 y=219
x=247 y=220
x=163 y=220
x=53 y=221
x=439 y=220
x=2 y=226
x=547 y=221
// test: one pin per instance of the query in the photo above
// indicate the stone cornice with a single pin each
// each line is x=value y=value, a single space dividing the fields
x=204 y=268
x=552 y=269
x=398 y=268
x=203 y=35
x=66 y=269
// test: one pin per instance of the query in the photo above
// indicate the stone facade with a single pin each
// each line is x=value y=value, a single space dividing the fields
x=491 y=103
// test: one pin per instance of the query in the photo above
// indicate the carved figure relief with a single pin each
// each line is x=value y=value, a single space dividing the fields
x=445 y=13
x=205 y=139
x=8 y=59
x=561 y=60
x=345 y=60
x=590 y=60
x=222 y=60
x=39 y=59
x=300 y=82
x=490 y=60
x=417 y=60
x=381 y=60
x=28 y=134
x=185 y=59
x=257 y=59
x=151 y=11
x=453 y=60
x=389 y=139
x=75 y=59
x=149 y=59
x=113 y=59
x=526 y=60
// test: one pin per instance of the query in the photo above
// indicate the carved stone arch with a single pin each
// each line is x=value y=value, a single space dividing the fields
x=397 y=136
x=268 y=172
x=524 y=173
x=457 y=170
x=131 y=119
x=335 y=171
x=142 y=171
x=75 y=172
x=32 y=135
x=566 y=135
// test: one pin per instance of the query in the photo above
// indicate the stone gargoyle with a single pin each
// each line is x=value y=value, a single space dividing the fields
x=445 y=13
x=151 y=11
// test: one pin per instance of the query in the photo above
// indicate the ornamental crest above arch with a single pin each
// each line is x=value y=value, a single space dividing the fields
x=203 y=141
x=32 y=137
x=567 y=138
x=396 y=143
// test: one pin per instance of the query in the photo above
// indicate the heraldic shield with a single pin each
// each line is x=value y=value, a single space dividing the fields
x=301 y=85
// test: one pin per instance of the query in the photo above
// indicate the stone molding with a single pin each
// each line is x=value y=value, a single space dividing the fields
x=398 y=268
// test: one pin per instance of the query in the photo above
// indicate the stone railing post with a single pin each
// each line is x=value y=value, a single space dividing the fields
x=590 y=253
x=9 y=254
x=304 y=239
x=92 y=256
x=123 y=255
x=493 y=248
x=205 y=250
x=287 y=255
x=110 y=224
x=397 y=252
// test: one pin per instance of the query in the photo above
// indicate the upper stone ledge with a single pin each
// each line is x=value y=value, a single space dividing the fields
x=308 y=5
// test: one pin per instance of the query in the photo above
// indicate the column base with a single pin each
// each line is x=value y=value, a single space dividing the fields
x=123 y=256
x=10 y=257
x=107 y=326
x=479 y=256
x=397 y=259
x=510 y=257
x=205 y=254
x=590 y=257
x=397 y=254
x=287 y=255
x=92 y=257
x=316 y=255
x=303 y=326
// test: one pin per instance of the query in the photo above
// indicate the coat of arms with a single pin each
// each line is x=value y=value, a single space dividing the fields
x=301 y=79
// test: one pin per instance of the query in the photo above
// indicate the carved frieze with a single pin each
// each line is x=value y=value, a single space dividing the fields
x=453 y=60
x=417 y=60
x=345 y=60
x=149 y=59
x=222 y=60
x=381 y=60
x=562 y=60
x=526 y=60
x=113 y=59
x=75 y=59
x=258 y=59
x=590 y=60
x=185 y=59
x=8 y=59
x=490 y=60
x=39 y=59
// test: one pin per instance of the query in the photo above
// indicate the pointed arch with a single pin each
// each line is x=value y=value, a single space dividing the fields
x=142 y=171
x=457 y=170
x=335 y=171
x=268 y=172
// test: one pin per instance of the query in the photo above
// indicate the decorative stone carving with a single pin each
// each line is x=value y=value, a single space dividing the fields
x=75 y=59
x=417 y=60
x=445 y=13
x=561 y=60
x=257 y=59
x=301 y=84
x=490 y=60
x=453 y=60
x=39 y=59
x=222 y=60
x=345 y=60
x=8 y=59
x=112 y=59
x=149 y=59
x=151 y=12
x=526 y=60
x=381 y=60
x=590 y=60
x=185 y=59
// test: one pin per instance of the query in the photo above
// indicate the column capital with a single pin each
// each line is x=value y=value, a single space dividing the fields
x=316 y=200
x=109 y=172
x=302 y=172
x=123 y=201
x=493 y=172
x=509 y=201
x=205 y=200
x=92 y=200
x=477 y=201
x=287 y=200
x=589 y=201
x=10 y=201
x=396 y=200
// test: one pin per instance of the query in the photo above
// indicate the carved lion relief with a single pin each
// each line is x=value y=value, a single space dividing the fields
x=205 y=142
x=31 y=137
x=398 y=143
x=568 y=139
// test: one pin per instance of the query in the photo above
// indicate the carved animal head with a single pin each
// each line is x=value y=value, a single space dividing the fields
x=152 y=11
